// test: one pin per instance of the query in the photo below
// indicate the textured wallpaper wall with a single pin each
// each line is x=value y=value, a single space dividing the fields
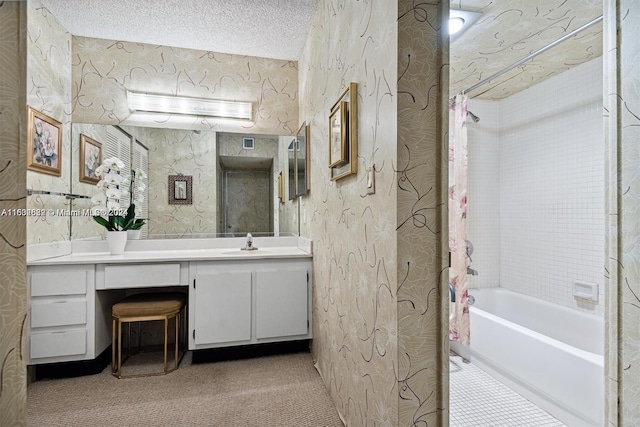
x=103 y=70
x=378 y=258
x=622 y=105
x=171 y=152
x=354 y=239
x=13 y=230
x=423 y=240
x=49 y=91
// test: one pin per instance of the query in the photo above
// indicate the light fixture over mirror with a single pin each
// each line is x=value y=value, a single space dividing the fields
x=190 y=106
x=460 y=21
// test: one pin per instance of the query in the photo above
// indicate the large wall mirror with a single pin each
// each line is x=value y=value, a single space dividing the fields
x=233 y=187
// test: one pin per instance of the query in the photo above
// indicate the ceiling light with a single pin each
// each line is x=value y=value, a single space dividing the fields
x=460 y=21
x=190 y=106
x=455 y=25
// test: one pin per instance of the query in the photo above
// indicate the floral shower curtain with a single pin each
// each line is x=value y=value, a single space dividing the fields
x=459 y=322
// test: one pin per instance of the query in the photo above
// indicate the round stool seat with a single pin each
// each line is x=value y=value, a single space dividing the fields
x=159 y=304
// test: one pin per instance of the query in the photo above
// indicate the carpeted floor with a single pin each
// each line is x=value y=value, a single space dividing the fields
x=281 y=390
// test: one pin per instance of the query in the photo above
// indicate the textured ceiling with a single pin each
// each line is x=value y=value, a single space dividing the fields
x=510 y=30
x=506 y=32
x=266 y=28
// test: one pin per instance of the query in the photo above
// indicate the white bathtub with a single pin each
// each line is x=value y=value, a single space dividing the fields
x=548 y=353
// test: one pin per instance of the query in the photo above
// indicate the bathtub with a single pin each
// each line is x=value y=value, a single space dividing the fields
x=550 y=354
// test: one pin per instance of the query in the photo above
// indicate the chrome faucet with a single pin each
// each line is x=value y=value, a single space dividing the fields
x=471 y=271
x=248 y=246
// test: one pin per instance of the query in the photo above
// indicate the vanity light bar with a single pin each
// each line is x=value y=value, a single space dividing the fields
x=191 y=106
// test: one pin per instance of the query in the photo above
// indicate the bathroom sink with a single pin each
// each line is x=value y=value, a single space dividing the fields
x=245 y=252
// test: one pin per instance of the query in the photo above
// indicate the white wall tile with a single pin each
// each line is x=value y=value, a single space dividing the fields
x=540 y=159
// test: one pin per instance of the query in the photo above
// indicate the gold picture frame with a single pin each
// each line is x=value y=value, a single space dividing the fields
x=44 y=143
x=338 y=126
x=350 y=96
x=180 y=190
x=90 y=159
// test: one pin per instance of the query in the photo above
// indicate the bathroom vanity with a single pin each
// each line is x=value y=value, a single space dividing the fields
x=235 y=297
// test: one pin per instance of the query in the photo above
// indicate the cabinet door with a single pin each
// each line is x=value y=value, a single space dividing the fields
x=281 y=302
x=222 y=307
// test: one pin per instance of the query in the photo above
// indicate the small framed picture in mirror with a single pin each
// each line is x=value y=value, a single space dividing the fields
x=90 y=159
x=180 y=190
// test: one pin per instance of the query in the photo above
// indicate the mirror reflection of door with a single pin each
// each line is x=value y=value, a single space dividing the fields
x=180 y=190
x=247 y=201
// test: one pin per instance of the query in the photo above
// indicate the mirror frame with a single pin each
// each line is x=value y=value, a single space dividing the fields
x=303 y=132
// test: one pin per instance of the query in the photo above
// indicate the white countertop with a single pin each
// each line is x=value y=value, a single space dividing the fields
x=168 y=250
x=174 y=255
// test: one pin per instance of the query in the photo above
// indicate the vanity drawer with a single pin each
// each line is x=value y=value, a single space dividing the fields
x=64 y=282
x=58 y=313
x=62 y=343
x=141 y=275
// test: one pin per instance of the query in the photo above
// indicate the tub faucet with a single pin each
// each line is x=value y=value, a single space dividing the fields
x=471 y=271
x=248 y=246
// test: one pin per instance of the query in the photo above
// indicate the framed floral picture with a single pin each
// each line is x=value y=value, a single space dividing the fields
x=44 y=143
x=90 y=159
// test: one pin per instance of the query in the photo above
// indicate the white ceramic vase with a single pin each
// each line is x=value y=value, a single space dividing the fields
x=117 y=240
x=133 y=234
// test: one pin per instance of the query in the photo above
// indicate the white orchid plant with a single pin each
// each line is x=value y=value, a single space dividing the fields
x=117 y=186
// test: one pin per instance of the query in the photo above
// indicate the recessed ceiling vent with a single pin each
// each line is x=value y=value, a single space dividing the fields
x=248 y=143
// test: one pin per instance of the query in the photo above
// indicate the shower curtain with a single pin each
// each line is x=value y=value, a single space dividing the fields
x=459 y=321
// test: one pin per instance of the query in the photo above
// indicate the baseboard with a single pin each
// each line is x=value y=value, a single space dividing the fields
x=248 y=351
x=74 y=369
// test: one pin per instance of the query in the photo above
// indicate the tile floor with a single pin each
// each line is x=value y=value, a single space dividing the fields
x=479 y=400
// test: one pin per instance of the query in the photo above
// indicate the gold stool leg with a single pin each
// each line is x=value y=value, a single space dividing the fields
x=166 y=338
x=113 y=344
x=177 y=329
x=119 y=348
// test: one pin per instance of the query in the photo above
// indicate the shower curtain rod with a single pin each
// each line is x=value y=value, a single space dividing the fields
x=534 y=54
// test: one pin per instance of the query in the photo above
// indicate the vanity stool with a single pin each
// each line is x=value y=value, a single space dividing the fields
x=140 y=308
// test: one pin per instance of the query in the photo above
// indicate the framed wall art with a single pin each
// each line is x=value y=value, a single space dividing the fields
x=344 y=161
x=90 y=159
x=180 y=190
x=338 y=137
x=44 y=143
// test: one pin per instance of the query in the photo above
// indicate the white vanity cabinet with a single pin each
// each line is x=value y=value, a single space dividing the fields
x=222 y=306
x=281 y=300
x=67 y=321
x=235 y=297
x=248 y=302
